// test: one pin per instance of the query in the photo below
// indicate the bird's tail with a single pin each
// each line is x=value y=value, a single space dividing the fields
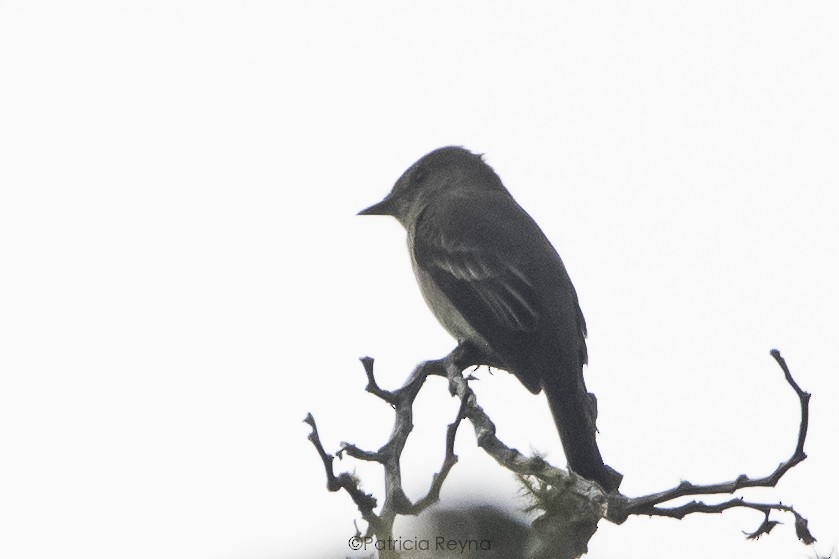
x=575 y=412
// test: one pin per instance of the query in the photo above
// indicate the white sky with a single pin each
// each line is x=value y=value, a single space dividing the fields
x=184 y=277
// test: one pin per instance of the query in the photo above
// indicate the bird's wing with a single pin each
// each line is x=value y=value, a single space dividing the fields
x=492 y=289
x=479 y=266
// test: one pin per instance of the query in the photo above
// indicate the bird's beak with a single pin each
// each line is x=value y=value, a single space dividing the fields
x=385 y=207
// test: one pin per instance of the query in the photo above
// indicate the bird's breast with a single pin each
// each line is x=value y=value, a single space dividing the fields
x=443 y=308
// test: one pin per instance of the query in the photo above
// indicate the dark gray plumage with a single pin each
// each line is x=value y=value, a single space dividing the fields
x=494 y=281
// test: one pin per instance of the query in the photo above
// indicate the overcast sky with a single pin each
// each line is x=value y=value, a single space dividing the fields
x=183 y=276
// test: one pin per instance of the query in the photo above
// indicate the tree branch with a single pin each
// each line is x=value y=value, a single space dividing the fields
x=649 y=504
x=572 y=505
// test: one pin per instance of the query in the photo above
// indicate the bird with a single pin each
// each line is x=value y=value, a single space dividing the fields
x=495 y=282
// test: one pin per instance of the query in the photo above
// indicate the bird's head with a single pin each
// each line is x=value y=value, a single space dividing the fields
x=447 y=171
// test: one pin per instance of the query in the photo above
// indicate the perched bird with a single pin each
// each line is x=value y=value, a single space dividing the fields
x=495 y=282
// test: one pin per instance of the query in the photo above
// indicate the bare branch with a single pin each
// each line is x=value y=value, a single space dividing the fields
x=373 y=386
x=649 y=504
x=561 y=494
x=449 y=461
x=364 y=501
x=389 y=455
